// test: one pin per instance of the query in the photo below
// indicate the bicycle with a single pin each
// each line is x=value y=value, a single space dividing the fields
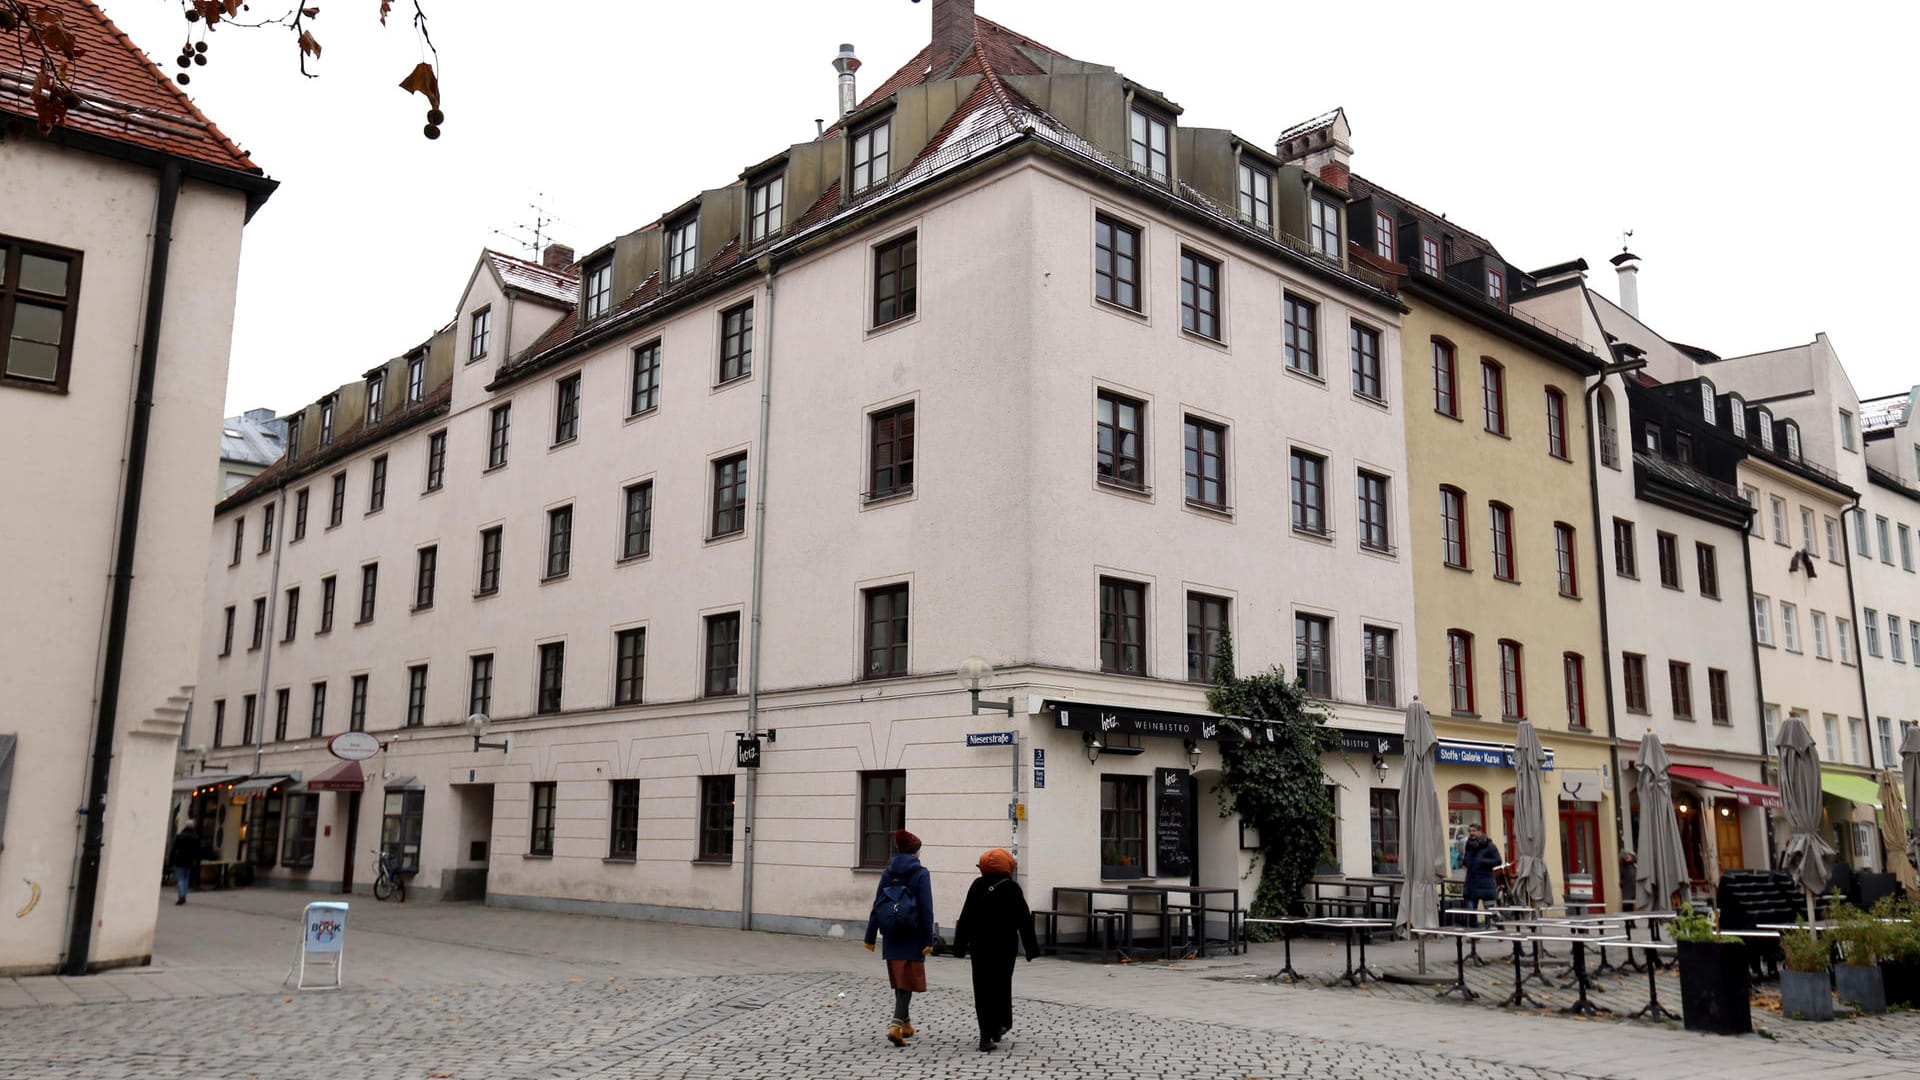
x=387 y=880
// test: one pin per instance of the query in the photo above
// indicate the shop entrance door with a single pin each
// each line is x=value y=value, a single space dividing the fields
x=1580 y=850
x=1726 y=832
x=467 y=879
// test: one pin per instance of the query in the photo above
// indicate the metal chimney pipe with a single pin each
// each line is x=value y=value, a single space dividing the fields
x=846 y=64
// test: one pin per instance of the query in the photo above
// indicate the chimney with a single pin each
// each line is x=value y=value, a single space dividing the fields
x=1323 y=146
x=846 y=64
x=952 y=33
x=1627 y=265
x=557 y=257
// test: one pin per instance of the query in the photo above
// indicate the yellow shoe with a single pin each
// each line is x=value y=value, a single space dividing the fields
x=907 y=1030
x=897 y=1033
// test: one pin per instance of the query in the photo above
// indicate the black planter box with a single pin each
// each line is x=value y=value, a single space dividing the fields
x=1860 y=985
x=1714 y=991
x=1902 y=981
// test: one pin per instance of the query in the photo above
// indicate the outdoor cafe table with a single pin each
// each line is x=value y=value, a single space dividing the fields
x=1349 y=927
x=1459 y=957
x=1286 y=926
x=1582 y=1006
x=1653 y=919
x=1127 y=911
x=1477 y=913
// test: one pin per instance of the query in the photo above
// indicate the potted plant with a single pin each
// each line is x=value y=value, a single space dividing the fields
x=1862 y=941
x=1900 y=967
x=1714 y=991
x=1806 y=990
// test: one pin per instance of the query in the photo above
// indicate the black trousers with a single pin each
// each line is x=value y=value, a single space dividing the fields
x=993 y=992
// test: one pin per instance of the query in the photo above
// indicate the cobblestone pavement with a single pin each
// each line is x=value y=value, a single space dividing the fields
x=460 y=991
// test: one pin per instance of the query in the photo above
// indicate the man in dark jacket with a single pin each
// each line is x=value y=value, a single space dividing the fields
x=184 y=856
x=994 y=923
x=906 y=950
x=1479 y=859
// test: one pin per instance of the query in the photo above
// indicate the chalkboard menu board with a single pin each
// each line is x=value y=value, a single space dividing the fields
x=1173 y=822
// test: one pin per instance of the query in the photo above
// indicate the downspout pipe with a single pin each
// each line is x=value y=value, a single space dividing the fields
x=759 y=581
x=1759 y=683
x=1621 y=839
x=87 y=885
x=1860 y=643
x=281 y=524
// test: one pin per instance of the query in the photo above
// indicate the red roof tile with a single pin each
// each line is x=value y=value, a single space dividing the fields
x=123 y=95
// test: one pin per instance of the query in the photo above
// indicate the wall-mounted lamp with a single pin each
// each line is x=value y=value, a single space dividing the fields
x=1380 y=767
x=973 y=671
x=477 y=727
x=1193 y=755
x=1093 y=746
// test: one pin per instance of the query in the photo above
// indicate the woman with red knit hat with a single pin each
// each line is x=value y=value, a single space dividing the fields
x=903 y=915
x=993 y=924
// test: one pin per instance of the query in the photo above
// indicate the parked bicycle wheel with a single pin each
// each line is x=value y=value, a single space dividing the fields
x=383 y=887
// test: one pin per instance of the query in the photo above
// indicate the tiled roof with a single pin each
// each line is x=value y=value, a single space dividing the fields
x=556 y=285
x=1362 y=188
x=1878 y=414
x=124 y=96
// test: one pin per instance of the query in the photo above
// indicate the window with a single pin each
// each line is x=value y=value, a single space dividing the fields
x=1500 y=526
x=357 y=704
x=1625 y=561
x=1556 y=423
x=1256 y=197
x=765 y=211
x=1383 y=829
x=1860 y=534
x=1493 y=396
x=885 y=646
x=736 y=342
x=282 y=704
x=1707 y=565
x=259 y=622
x=729 y=496
x=416 y=695
x=566 y=409
x=300 y=499
x=1123 y=626
x=1789 y=627
x=377 y=485
x=1496 y=286
x=1896 y=647
x=559 y=542
x=1843 y=632
x=1123 y=826
x=1199 y=294
x=1147 y=145
x=1831 y=723
x=1770 y=723
x=239 y=539
x=1207 y=630
x=1764 y=421
x=1564 y=560
x=1683 y=448
x=1364 y=343
x=870 y=156
x=636 y=536
x=426 y=569
x=623 y=828
x=479 y=334
x=292 y=620
x=326 y=421
x=1819 y=621
x=337 y=509
x=376 y=397
x=1573 y=672
x=400 y=823
x=553 y=673
x=716 y=819
x=1301 y=333
x=369 y=580
x=499 y=423
x=1667 y=548
x=1762 y=621
x=683 y=248
x=1869 y=625
x=1460 y=670
x=1880 y=533
x=1377 y=658
x=1371 y=492
x=417 y=380
x=1846 y=430
x=480 y=684
x=1312 y=654
x=645 y=394
x=1116 y=263
x=1906 y=547
x=1886 y=742
x=1609 y=438
x=1834 y=548
x=629 y=665
x=1633 y=671
x=1430 y=255
x=1446 y=398
x=1913 y=637
x=723 y=654
x=219 y=723
x=895 y=279
x=1206 y=463
x=266 y=528
x=1717 y=698
x=301 y=830
x=1383 y=234
x=1309 y=481
x=541 y=840
x=1118 y=430
x=596 y=290
x=1650 y=437
x=890 y=452
x=1453 y=527
x=1513 y=703
x=436 y=464
x=490 y=543
x=1680 y=685
x=883 y=810
x=326 y=603
x=1323 y=227
x=1807 y=541
x=39 y=302
x=226 y=639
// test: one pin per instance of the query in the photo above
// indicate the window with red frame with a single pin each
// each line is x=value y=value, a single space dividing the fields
x=1496 y=287
x=1563 y=559
x=1513 y=701
x=1556 y=423
x=1460 y=670
x=1383 y=234
x=1453 y=526
x=1574 y=667
x=1493 y=395
x=1446 y=380
x=1500 y=521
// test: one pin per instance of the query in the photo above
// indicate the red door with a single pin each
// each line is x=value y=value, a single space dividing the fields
x=1580 y=850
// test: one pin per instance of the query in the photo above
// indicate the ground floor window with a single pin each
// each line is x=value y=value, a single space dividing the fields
x=263 y=830
x=302 y=826
x=1383 y=829
x=623 y=838
x=400 y=829
x=1123 y=826
x=1466 y=805
x=883 y=809
x=716 y=819
x=541 y=840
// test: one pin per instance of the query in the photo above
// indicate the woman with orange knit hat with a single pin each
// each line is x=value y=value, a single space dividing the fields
x=994 y=924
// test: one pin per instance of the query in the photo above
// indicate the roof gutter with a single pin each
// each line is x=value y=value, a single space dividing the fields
x=255 y=186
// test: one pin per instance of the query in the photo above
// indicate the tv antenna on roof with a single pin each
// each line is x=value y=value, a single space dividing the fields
x=534 y=237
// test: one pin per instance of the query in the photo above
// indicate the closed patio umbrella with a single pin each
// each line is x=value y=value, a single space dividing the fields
x=1910 y=774
x=1663 y=866
x=1893 y=829
x=1422 y=848
x=1804 y=856
x=1529 y=852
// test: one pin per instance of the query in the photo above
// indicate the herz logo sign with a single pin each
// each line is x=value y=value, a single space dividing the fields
x=1109 y=722
x=1209 y=729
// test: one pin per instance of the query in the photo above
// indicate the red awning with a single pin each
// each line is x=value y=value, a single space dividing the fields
x=1749 y=792
x=345 y=776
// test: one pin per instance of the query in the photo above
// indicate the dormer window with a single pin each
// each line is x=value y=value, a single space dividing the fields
x=1706 y=400
x=683 y=247
x=765 y=209
x=1430 y=255
x=1496 y=287
x=1793 y=439
x=293 y=438
x=376 y=396
x=1256 y=197
x=1650 y=437
x=1147 y=145
x=480 y=337
x=1764 y=420
x=1683 y=448
x=1383 y=234
x=1737 y=413
x=596 y=290
x=1323 y=228
x=416 y=380
x=326 y=422
x=870 y=157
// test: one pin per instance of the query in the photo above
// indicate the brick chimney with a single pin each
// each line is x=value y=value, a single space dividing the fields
x=1322 y=146
x=952 y=32
x=557 y=257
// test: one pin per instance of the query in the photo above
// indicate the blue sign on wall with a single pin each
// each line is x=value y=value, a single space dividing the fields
x=989 y=738
x=1039 y=757
x=1039 y=778
x=1486 y=755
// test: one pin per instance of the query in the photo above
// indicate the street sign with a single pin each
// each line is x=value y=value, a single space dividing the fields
x=746 y=753
x=989 y=738
x=1039 y=757
x=1039 y=777
x=353 y=746
x=1016 y=811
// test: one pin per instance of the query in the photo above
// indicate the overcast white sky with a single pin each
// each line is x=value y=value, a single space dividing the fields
x=1761 y=153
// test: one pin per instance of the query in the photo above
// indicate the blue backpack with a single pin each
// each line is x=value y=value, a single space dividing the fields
x=896 y=911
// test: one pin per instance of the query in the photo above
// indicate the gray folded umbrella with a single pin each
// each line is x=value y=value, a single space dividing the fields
x=1910 y=777
x=1663 y=865
x=1529 y=852
x=1804 y=856
x=1422 y=848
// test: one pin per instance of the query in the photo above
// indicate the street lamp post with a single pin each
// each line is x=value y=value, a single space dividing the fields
x=973 y=671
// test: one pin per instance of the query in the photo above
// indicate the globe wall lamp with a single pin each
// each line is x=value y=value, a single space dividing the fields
x=973 y=671
x=477 y=727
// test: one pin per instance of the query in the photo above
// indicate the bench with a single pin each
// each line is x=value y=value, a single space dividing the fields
x=1101 y=925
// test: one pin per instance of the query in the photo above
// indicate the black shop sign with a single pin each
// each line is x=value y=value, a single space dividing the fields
x=1173 y=822
x=1114 y=721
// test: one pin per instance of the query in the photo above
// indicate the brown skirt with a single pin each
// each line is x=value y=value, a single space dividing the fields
x=908 y=975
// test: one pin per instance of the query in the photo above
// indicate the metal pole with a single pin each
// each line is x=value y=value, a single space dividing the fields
x=759 y=579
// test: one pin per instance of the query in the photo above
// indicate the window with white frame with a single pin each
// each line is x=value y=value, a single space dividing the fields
x=1846 y=431
x=1843 y=635
x=766 y=209
x=1880 y=533
x=1834 y=546
x=1789 y=626
x=1819 y=621
x=1323 y=227
x=1870 y=625
x=1256 y=196
x=1896 y=644
x=683 y=247
x=1762 y=620
x=1147 y=144
x=1383 y=234
x=1778 y=506
x=1752 y=495
x=871 y=155
x=1808 y=541
x=596 y=290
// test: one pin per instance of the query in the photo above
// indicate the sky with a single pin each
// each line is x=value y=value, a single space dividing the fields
x=1761 y=154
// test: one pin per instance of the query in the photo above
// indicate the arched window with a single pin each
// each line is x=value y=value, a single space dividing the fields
x=1493 y=394
x=1793 y=439
x=1466 y=805
x=1556 y=423
x=1764 y=421
x=1453 y=526
x=1706 y=399
x=1446 y=379
x=1609 y=430
x=1737 y=415
x=1460 y=670
x=1506 y=826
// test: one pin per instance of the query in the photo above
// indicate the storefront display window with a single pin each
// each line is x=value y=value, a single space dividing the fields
x=1383 y=829
x=263 y=829
x=400 y=828
x=302 y=826
x=1123 y=826
x=1466 y=805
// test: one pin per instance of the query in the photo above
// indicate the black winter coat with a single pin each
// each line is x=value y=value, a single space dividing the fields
x=995 y=921
x=1479 y=860
x=185 y=850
